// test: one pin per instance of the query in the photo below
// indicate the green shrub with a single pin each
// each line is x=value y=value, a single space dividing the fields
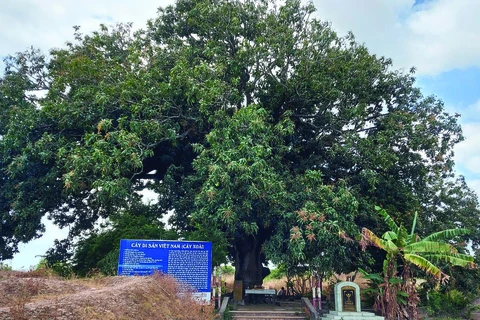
x=63 y=269
x=451 y=303
x=5 y=267
x=228 y=270
x=277 y=273
x=109 y=264
x=42 y=264
x=227 y=315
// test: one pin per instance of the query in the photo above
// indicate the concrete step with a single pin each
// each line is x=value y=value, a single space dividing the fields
x=267 y=315
x=335 y=315
x=352 y=318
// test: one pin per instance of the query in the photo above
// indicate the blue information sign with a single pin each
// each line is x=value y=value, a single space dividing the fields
x=187 y=261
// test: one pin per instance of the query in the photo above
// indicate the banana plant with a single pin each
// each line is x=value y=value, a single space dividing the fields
x=397 y=296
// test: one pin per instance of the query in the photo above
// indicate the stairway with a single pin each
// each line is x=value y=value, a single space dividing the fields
x=267 y=315
x=281 y=310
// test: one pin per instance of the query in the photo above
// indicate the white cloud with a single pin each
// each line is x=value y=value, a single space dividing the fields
x=474 y=185
x=437 y=36
x=475 y=108
x=469 y=118
x=473 y=164
x=467 y=152
x=445 y=35
x=47 y=24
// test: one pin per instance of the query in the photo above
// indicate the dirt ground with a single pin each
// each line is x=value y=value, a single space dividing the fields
x=30 y=296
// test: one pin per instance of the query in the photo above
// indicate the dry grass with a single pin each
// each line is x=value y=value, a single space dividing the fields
x=34 y=296
x=279 y=283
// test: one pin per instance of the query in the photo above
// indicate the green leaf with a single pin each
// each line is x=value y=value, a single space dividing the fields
x=430 y=246
x=395 y=280
x=423 y=264
x=446 y=234
x=412 y=232
x=386 y=217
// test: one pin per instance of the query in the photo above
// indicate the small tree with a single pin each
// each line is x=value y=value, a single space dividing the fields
x=99 y=249
x=397 y=296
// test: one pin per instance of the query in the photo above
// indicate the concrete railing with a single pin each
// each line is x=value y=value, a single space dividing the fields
x=223 y=307
x=310 y=310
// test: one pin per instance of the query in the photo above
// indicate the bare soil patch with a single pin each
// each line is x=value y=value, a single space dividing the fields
x=46 y=297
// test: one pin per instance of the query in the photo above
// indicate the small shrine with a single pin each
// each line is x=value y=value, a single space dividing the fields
x=347 y=303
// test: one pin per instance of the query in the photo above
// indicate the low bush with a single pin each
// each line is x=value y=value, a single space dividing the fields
x=5 y=267
x=228 y=270
x=451 y=303
x=277 y=273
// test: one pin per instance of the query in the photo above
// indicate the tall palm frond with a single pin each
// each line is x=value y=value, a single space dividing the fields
x=446 y=234
x=423 y=264
x=462 y=260
x=430 y=246
x=370 y=238
x=414 y=224
x=388 y=220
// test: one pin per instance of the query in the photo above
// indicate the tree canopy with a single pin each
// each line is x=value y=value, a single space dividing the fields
x=250 y=119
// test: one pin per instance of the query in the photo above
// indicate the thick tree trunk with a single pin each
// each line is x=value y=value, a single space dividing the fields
x=248 y=261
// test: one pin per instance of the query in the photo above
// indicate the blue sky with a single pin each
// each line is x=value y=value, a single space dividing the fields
x=441 y=38
x=459 y=89
x=457 y=86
